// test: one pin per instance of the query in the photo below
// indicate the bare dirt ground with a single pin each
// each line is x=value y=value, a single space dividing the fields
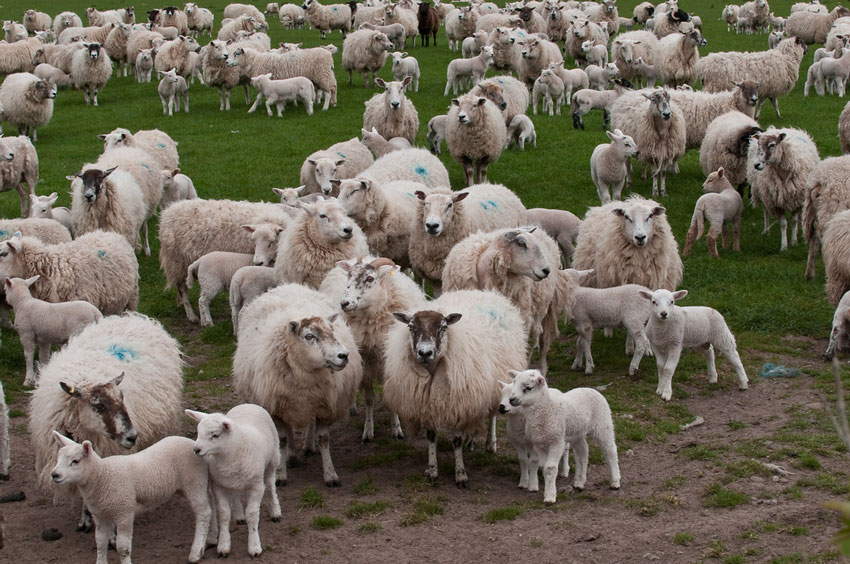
x=661 y=514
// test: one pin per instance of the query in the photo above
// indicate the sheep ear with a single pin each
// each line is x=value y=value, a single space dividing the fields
x=102 y=137
x=278 y=191
x=658 y=210
x=619 y=211
x=249 y=228
x=460 y=197
x=344 y=265
x=118 y=379
x=335 y=182
x=406 y=80
x=720 y=172
x=309 y=208
x=15 y=242
x=420 y=195
x=339 y=162
x=300 y=189
x=646 y=95
x=510 y=236
x=196 y=415
x=540 y=381
x=53 y=197
x=71 y=177
x=332 y=317
x=293 y=327
x=513 y=374
x=455 y=102
x=453 y=318
x=611 y=135
x=482 y=101
x=380 y=82
x=71 y=390
x=62 y=439
x=109 y=171
x=87 y=450
x=504 y=385
x=402 y=317
x=781 y=137
x=645 y=294
x=679 y=295
x=30 y=281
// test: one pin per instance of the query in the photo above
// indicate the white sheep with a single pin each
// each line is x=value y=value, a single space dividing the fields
x=247 y=284
x=27 y=102
x=471 y=46
x=345 y=159
x=14 y=31
x=97 y=267
x=677 y=56
x=839 y=336
x=172 y=87
x=813 y=27
x=18 y=169
x=90 y=71
x=595 y=54
x=726 y=143
x=475 y=135
x=175 y=55
x=834 y=72
x=18 y=56
x=278 y=92
x=65 y=20
x=36 y=21
x=176 y=187
x=437 y=132
x=381 y=146
x=829 y=193
x=217 y=73
x=52 y=74
x=463 y=344
x=118 y=384
x=573 y=79
x=391 y=112
x=42 y=207
x=835 y=239
x=844 y=129
x=42 y=324
x=198 y=19
x=158 y=144
x=779 y=166
x=537 y=54
x=365 y=51
x=412 y=165
x=241 y=450
x=460 y=24
x=406 y=16
x=672 y=328
x=729 y=16
x=470 y=70
x=553 y=422
x=722 y=205
x=404 y=66
x=234 y=10
x=628 y=242
x=115 y=488
x=588 y=99
x=700 y=108
x=774 y=38
x=608 y=165
x=598 y=77
x=758 y=12
x=521 y=129
x=327 y=18
x=647 y=73
x=553 y=91
x=298 y=360
x=508 y=93
x=561 y=225
x=214 y=271
x=628 y=47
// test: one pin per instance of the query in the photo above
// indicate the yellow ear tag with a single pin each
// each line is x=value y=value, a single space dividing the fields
x=391 y=272
x=72 y=390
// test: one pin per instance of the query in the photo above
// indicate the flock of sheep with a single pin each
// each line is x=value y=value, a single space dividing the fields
x=326 y=287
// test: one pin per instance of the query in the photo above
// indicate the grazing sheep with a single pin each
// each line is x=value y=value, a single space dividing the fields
x=115 y=488
x=198 y=19
x=835 y=238
x=508 y=93
x=721 y=205
x=677 y=56
x=278 y=92
x=345 y=159
x=828 y=194
x=391 y=113
x=295 y=358
x=468 y=70
x=214 y=271
x=327 y=18
x=554 y=420
x=813 y=27
x=42 y=207
x=404 y=66
x=628 y=242
x=27 y=102
x=42 y=324
x=90 y=71
x=521 y=129
x=381 y=146
x=537 y=54
x=700 y=108
x=463 y=345
x=588 y=99
x=726 y=143
x=561 y=225
x=172 y=87
x=242 y=453
x=437 y=132
x=475 y=135
x=608 y=165
x=775 y=70
x=672 y=328
x=365 y=51
x=839 y=336
x=247 y=284
x=779 y=166
x=657 y=126
x=18 y=167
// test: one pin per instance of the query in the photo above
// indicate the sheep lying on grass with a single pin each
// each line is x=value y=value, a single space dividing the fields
x=721 y=206
x=42 y=207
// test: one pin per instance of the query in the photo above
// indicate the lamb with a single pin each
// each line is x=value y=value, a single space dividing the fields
x=537 y=54
x=552 y=88
x=608 y=165
x=774 y=38
x=157 y=144
x=721 y=205
x=471 y=46
x=242 y=453
x=775 y=70
x=779 y=166
x=296 y=358
x=657 y=126
x=843 y=129
x=214 y=272
x=835 y=71
x=18 y=168
x=90 y=71
x=52 y=74
x=595 y=54
x=198 y=19
x=677 y=56
x=828 y=194
x=404 y=66
x=469 y=337
x=628 y=242
x=341 y=160
x=588 y=99
x=175 y=188
x=599 y=77
x=552 y=422
x=327 y=18
x=365 y=51
x=437 y=133
x=838 y=336
x=472 y=70
x=813 y=27
x=42 y=207
x=278 y=92
x=14 y=32
x=27 y=102
x=475 y=135
x=647 y=73
x=726 y=145
x=508 y=93
x=521 y=129
x=584 y=30
x=573 y=79
x=391 y=113
x=672 y=328
x=444 y=218
x=835 y=238
x=777 y=23
x=247 y=284
x=701 y=108
x=42 y=323
x=172 y=87
x=116 y=487
x=396 y=14
x=561 y=225
x=380 y=146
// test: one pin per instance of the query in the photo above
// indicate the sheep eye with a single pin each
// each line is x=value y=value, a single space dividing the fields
x=309 y=337
x=527 y=389
x=323 y=216
x=75 y=462
x=99 y=407
x=521 y=243
x=215 y=436
x=449 y=206
x=370 y=279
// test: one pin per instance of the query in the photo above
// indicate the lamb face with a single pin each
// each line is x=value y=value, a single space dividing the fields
x=318 y=346
x=71 y=462
x=637 y=224
x=102 y=410
x=662 y=301
x=525 y=389
x=11 y=262
x=329 y=221
x=265 y=237
x=766 y=149
x=115 y=138
x=219 y=49
x=527 y=257
x=364 y=286
x=213 y=429
x=42 y=206
x=439 y=210
x=427 y=335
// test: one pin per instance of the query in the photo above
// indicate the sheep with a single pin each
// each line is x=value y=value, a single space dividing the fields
x=672 y=328
x=428 y=20
x=296 y=358
x=214 y=272
x=18 y=167
x=472 y=70
x=701 y=108
x=247 y=284
x=391 y=113
x=94 y=34
x=628 y=242
x=835 y=71
x=553 y=420
x=218 y=73
x=537 y=54
x=27 y=102
x=599 y=77
x=626 y=48
x=242 y=453
x=838 y=336
x=48 y=231
x=729 y=15
x=595 y=54
x=13 y=31
x=643 y=12
x=42 y=324
x=42 y=207
x=834 y=244
x=396 y=14
x=172 y=87
x=116 y=45
x=460 y=24
x=413 y=165
x=115 y=488
x=171 y=16
x=52 y=74
x=341 y=160
x=813 y=27
x=721 y=205
x=381 y=146
x=507 y=48
x=98 y=18
x=588 y=99
x=365 y=51
x=198 y=19
x=437 y=132
x=230 y=28
x=647 y=74
x=677 y=56
x=608 y=165
x=404 y=66
x=779 y=166
x=90 y=71
x=444 y=218
x=36 y=21
x=726 y=143
x=18 y=56
x=573 y=79
x=552 y=88
x=757 y=12
x=65 y=20
x=775 y=70
x=176 y=55
x=328 y=17
x=368 y=292
x=234 y=10
x=278 y=92
x=522 y=130
x=844 y=129
x=508 y=93
x=475 y=135
x=828 y=194
x=144 y=65
x=471 y=46
x=774 y=38
x=394 y=32
x=672 y=23
x=158 y=144
x=657 y=126
x=584 y=30
x=561 y=225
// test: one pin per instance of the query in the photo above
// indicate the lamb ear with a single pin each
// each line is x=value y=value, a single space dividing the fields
x=109 y=171
x=62 y=439
x=31 y=281
x=402 y=317
x=513 y=374
x=87 y=449
x=455 y=102
x=251 y=228
x=453 y=318
x=102 y=136
x=540 y=380
x=679 y=295
x=71 y=177
x=482 y=101
x=720 y=172
x=344 y=265
x=278 y=191
x=619 y=211
x=645 y=294
x=300 y=189
x=380 y=82
x=504 y=385
x=71 y=390
x=610 y=135
x=406 y=80
x=196 y=415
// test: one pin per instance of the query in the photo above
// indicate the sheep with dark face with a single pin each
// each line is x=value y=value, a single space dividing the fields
x=90 y=70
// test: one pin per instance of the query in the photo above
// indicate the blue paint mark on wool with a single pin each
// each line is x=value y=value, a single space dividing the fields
x=3 y=234
x=161 y=145
x=101 y=253
x=334 y=8
x=146 y=167
x=497 y=316
x=123 y=354
x=341 y=154
x=421 y=171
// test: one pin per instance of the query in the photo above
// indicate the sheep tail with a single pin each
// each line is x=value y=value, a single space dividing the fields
x=192 y=273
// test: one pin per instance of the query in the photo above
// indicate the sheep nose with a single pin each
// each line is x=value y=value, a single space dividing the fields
x=54 y=476
x=546 y=272
x=343 y=356
x=502 y=408
x=346 y=230
x=344 y=304
x=90 y=197
x=197 y=450
x=426 y=354
x=640 y=239
x=514 y=402
x=432 y=227
x=503 y=106
x=259 y=263
x=663 y=315
x=395 y=105
x=131 y=437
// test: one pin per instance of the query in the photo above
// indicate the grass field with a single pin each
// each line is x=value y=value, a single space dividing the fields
x=774 y=312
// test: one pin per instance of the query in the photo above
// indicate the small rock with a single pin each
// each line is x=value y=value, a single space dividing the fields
x=650 y=556
x=50 y=535
x=627 y=416
x=630 y=452
x=756 y=479
x=565 y=489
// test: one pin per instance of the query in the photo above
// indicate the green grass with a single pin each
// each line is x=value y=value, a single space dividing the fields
x=326 y=522
x=359 y=509
x=717 y=496
x=311 y=498
x=423 y=509
x=365 y=487
x=683 y=538
x=502 y=514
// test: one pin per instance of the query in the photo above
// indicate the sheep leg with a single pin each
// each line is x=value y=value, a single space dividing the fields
x=209 y=290
x=271 y=492
x=28 y=344
x=665 y=380
x=491 y=445
x=124 y=541
x=329 y=474
x=247 y=95
x=766 y=229
x=183 y=298
x=628 y=173
x=707 y=352
x=468 y=171
x=550 y=331
x=202 y=511
x=256 y=103
x=524 y=463
x=461 y=479
x=617 y=190
x=795 y=226
x=564 y=468
x=147 y=246
x=103 y=531
x=724 y=235
x=814 y=250
x=773 y=101
x=690 y=239
x=711 y=239
x=369 y=425
x=482 y=171
x=186 y=102
x=783 y=232
x=95 y=98
x=431 y=469
x=736 y=235
x=609 y=451
x=641 y=346
x=222 y=503
x=285 y=434
x=84 y=525
x=551 y=459
x=252 y=516
x=758 y=108
x=581 y=456
x=731 y=355
x=606 y=119
x=310 y=446
x=396 y=431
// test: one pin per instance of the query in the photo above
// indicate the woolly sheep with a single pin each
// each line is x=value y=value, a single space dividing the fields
x=60 y=56
x=551 y=86
x=242 y=453
x=198 y=19
x=27 y=102
x=247 y=284
x=52 y=74
x=42 y=207
x=396 y=14
x=381 y=146
x=628 y=47
x=828 y=194
x=18 y=167
x=729 y=15
x=217 y=73
x=444 y=218
x=721 y=206
x=437 y=133
x=230 y=28
x=345 y=159
x=677 y=56
x=116 y=46
x=463 y=344
x=42 y=324
x=553 y=422
x=844 y=129
x=171 y=16
x=214 y=271
x=838 y=336
x=537 y=54
x=813 y=27
x=328 y=17
x=18 y=56
x=561 y=225
x=176 y=187
x=726 y=144
x=595 y=54
x=471 y=46
x=475 y=135
x=508 y=93
x=672 y=328
x=115 y=488
x=835 y=72
x=175 y=55
x=701 y=108
x=278 y=92
x=573 y=79
x=599 y=77
x=467 y=70
x=608 y=165
x=235 y=9
x=36 y=21
x=365 y=51
x=779 y=167
x=391 y=112
x=394 y=32
x=413 y=165
x=521 y=129
x=98 y=18
x=428 y=19
x=65 y=20
x=90 y=71
x=673 y=22
x=404 y=66
x=460 y=24
x=588 y=99
x=628 y=242
x=757 y=12
x=583 y=30
x=172 y=87
x=158 y=144
x=835 y=238
x=507 y=48
x=298 y=360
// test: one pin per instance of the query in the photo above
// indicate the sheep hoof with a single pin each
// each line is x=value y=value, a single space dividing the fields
x=615 y=488
x=333 y=483
x=223 y=554
x=280 y=483
x=307 y=452
x=578 y=488
x=352 y=411
x=4 y=477
x=366 y=440
x=462 y=484
x=241 y=522
x=84 y=527
x=277 y=519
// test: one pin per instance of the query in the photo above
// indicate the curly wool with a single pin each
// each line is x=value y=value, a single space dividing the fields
x=403 y=122
x=119 y=207
x=828 y=195
x=722 y=146
x=676 y=59
x=836 y=242
x=158 y=144
x=21 y=106
x=811 y=27
x=701 y=108
x=631 y=114
x=48 y=231
x=782 y=185
x=142 y=165
x=776 y=70
x=361 y=52
x=412 y=165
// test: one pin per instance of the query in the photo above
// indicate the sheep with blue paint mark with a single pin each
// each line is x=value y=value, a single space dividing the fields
x=412 y=165
x=157 y=143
